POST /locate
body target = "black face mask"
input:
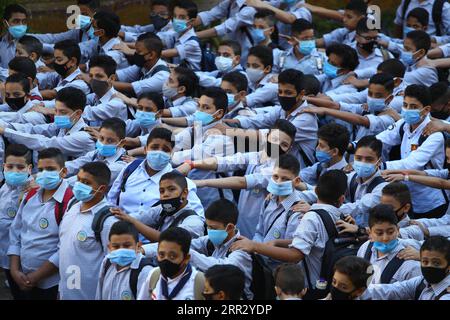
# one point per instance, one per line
(434, 275)
(168, 268)
(139, 60)
(269, 147)
(99, 87)
(368, 47)
(287, 103)
(403, 214)
(170, 206)
(15, 103)
(158, 22)
(60, 69)
(440, 115)
(337, 294)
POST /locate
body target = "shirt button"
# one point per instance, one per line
(143, 190)
(142, 204)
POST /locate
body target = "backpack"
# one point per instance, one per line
(126, 174)
(207, 63)
(390, 269)
(134, 273)
(422, 286)
(60, 208)
(333, 252)
(98, 222)
(176, 222)
(436, 13)
(199, 283)
(354, 184)
(263, 283)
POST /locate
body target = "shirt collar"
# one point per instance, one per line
(159, 62)
(441, 286)
(336, 82)
(391, 254)
(298, 109)
(290, 200)
(327, 207)
(179, 101)
(338, 165)
(72, 76)
(80, 124)
(59, 194)
(107, 96)
(419, 128)
(96, 208)
(26, 107)
(187, 35)
(110, 43)
(111, 159)
(404, 222)
(367, 182)
(157, 176)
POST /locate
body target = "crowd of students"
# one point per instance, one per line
(227, 154)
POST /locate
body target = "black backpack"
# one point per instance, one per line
(333, 252)
(134, 273)
(207, 63)
(390, 269)
(422, 286)
(354, 184)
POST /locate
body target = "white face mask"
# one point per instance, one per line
(169, 92)
(254, 75)
(223, 64)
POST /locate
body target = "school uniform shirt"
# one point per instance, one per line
(377, 124)
(274, 223)
(367, 66)
(80, 254)
(181, 107)
(445, 50)
(119, 57)
(188, 50)
(335, 86)
(310, 175)
(258, 170)
(425, 75)
(78, 35)
(239, 109)
(214, 78)
(262, 93)
(134, 129)
(115, 284)
(406, 290)
(427, 5)
(34, 234)
(142, 80)
(186, 293)
(193, 224)
(222, 255)
(310, 238)
(114, 163)
(306, 125)
(11, 197)
(409, 269)
(72, 81)
(341, 35)
(47, 80)
(7, 50)
(73, 142)
(308, 64)
(99, 109)
(363, 200)
(142, 191)
(22, 115)
(133, 32)
(440, 226)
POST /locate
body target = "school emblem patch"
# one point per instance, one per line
(43, 223)
(11, 212)
(126, 295)
(276, 234)
(82, 236)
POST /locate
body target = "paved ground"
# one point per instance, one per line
(4, 290)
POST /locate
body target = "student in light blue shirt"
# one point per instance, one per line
(15, 17)
(34, 234)
(17, 169)
(235, 84)
(440, 97)
(186, 50)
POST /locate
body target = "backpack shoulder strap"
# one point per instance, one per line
(436, 15)
(390, 269)
(199, 286)
(374, 183)
(107, 266)
(419, 289)
(134, 274)
(126, 174)
(401, 131)
(405, 8)
(209, 248)
(195, 38)
(60, 208)
(352, 188)
(29, 195)
(327, 222)
(98, 222)
(368, 252)
(444, 292)
(156, 274)
(159, 68)
(181, 217)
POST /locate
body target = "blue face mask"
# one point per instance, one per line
(407, 30)
(217, 237)
(364, 170)
(82, 192)
(407, 58)
(18, 32)
(122, 257)
(322, 156)
(63, 122)
(230, 97)
(106, 150)
(375, 105)
(280, 189)
(258, 35)
(411, 116)
(16, 179)
(145, 119)
(330, 70)
(306, 47)
(385, 247)
(48, 180)
(90, 33)
(203, 117)
(290, 3)
(84, 21)
(158, 160)
(179, 25)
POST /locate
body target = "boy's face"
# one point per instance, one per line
(304, 35)
(409, 46)
(383, 232)
(351, 19)
(280, 138)
(400, 210)
(433, 259)
(206, 104)
(17, 18)
(15, 90)
(159, 145)
(123, 241)
(411, 103)
(281, 175)
(61, 59)
(229, 88)
(169, 189)
(378, 91)
(227, 52)
(182, 14)
(107, 136)
(146, 105)
(172, 251)
(343, 283)
(16, 164)
(216, 225)
(50, 164)
(322, 145)
(173, 82)
(260, 23)
(99, 74)
(255, 63)
(89, 179)
(336, 61)
(412, 22)
(367, 40)
(86, 11)
(367, 155)
(161, 11)
(210, 294)
(62, 110)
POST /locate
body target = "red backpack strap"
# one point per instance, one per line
(30, 194)
(60, 208)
